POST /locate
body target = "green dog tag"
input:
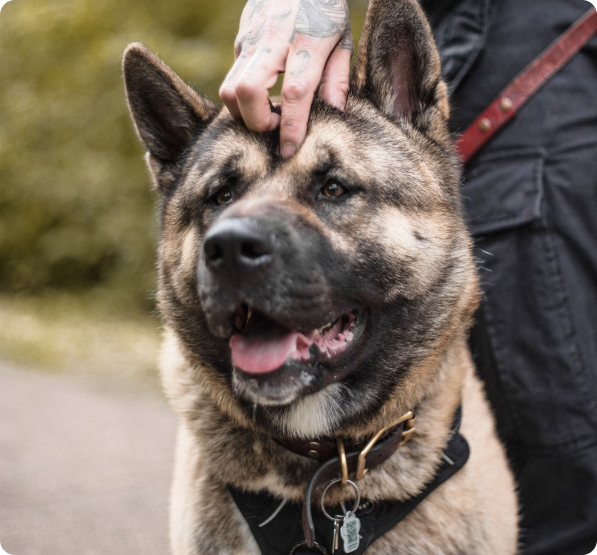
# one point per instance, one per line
(350, 532)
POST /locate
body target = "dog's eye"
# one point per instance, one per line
(224, 196)
(332, 189)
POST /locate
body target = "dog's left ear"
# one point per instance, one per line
(168, 114)
(398, 66)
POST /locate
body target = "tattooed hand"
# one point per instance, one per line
(308, 40)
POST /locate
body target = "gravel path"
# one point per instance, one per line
(83, 470)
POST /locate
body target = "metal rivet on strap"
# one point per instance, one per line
(505, 104)
(314, 454)
(485, 125)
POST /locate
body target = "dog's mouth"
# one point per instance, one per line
(274, 364)
(264, 345)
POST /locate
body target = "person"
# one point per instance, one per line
(530, 197)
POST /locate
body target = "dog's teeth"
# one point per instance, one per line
(249, 314)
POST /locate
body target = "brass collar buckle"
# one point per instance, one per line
(407, 433)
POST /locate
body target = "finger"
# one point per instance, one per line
(252, 89)
(336, 75)
(303, 73)
(228, 91)
(238, 47)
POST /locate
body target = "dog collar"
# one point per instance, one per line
(277, 527)
(391, 437)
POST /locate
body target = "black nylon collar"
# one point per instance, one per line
(284, 532)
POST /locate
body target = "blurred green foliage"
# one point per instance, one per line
(76, 207)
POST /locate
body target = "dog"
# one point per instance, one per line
(321, 296)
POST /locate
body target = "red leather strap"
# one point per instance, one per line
(525, 85)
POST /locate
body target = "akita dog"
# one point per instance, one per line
(313, 305)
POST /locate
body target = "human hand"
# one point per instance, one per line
(311, 42)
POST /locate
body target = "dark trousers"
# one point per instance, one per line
(530, 200)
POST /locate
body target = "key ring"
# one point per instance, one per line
(335, 481)
(304, 543)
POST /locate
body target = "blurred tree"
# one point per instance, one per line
(76, 208)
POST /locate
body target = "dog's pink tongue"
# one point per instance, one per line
(260, 354)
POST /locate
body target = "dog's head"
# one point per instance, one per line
(311, 292)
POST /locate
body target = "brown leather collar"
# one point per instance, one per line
(327, 448)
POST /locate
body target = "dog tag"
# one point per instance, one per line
(351, 526)
(350, 523)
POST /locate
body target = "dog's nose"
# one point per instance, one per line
(238, 245)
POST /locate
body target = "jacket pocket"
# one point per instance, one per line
(540, 381)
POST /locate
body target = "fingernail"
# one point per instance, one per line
(287, 150)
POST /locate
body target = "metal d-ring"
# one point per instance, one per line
(335, 481)
(343, 463)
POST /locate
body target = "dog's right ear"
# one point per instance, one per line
(168, 114)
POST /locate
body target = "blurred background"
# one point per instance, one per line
(77, 216)
(79, 335)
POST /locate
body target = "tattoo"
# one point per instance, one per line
(253, 37)
(346, 42)
(305, 59)
(235, 68)
(281, 17)
(321, 18)
(257, 56)
(257, 6)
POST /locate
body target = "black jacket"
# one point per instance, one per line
(530, 199)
